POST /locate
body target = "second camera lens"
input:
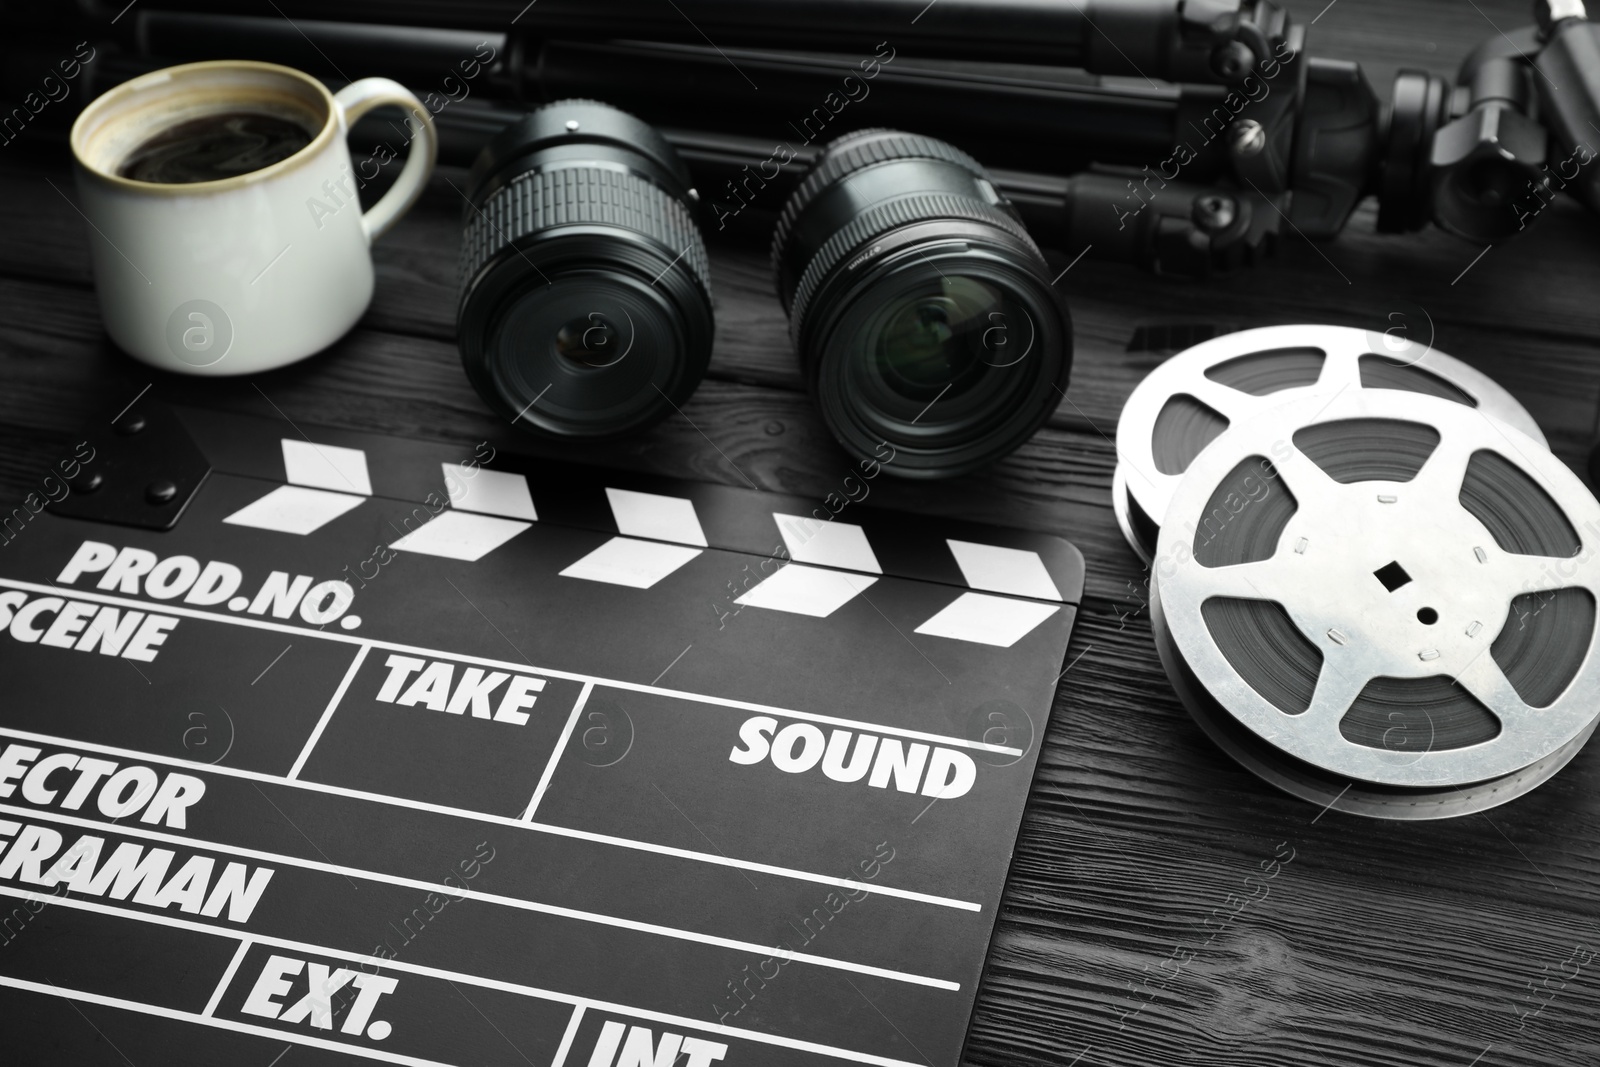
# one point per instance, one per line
(922, 311)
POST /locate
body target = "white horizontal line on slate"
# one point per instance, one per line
(280, 859)
(580, 1003)
(335, 636)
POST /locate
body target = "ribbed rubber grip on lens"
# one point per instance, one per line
(854, 151)
(890, 215)
(566, 196)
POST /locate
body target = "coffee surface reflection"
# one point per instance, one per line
(214, 147)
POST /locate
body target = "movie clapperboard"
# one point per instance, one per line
(337, 746)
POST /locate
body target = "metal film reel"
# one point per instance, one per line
(1383, 603)
(1189, 400)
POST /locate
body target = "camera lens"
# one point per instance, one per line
(923, 313)
(585, 304)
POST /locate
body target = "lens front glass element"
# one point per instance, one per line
(943, 352)
(592, 341)
(943, 355)
(590, 352)
(940, 337)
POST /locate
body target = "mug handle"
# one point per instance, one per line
(360, 97)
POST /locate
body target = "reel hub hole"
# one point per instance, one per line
(1392, 575)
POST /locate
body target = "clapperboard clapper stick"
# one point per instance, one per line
(433, 755)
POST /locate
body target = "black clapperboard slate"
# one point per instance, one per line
(575, 767)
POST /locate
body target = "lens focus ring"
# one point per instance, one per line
(879, 220)
(852, 152)
(569, 196)
(923, 314)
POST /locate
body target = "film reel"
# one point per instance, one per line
(1383, 603)
(1189, 400)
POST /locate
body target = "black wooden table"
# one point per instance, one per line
(1443, 943)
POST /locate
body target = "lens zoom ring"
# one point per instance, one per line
(568, 196)
(852, 152)
(891, 215)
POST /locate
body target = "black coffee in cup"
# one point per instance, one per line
(213, 147)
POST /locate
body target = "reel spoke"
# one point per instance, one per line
(1516, 574)
(1232, 404)
(1484, 679)
(1270, 579)
(1342, 369)
(1337, 688)
(1308, 483)
(1439, 480)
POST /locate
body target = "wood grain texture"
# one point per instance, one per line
(1402, 945)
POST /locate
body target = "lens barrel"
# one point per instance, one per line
(922, 311)
(585, 293)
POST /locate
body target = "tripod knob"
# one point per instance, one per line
(1490, 158)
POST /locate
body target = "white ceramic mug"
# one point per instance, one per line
(249, 272)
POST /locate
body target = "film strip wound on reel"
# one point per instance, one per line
(1192, 398)
(1384, 603)
(686, 770)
